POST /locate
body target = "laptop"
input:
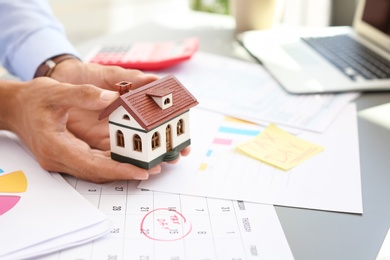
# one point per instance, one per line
(329, 59)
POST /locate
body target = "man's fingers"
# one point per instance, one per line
(186, 151)
(115, 74)
(96, 166)
(143, 80)
(83, 96)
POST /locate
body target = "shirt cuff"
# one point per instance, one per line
(38, 48)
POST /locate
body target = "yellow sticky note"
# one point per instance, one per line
(279, 148)
(236, 120)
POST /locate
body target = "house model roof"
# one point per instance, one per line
(141, 106)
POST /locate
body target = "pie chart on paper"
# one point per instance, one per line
(11, 185)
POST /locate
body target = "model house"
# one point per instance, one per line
(150, 124)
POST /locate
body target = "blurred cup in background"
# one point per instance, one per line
(255, 14)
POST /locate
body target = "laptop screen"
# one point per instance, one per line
(372, 21)
(376, 14)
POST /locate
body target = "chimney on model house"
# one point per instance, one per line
(124, 87)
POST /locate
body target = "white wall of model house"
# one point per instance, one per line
(131, 127)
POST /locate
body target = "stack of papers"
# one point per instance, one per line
(247, 91)
(39, 211)
(216, 198)
(216, 168)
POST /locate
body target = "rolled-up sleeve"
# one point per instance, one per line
(29, 35)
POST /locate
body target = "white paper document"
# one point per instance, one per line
(246, 90)
(39, 211)
(384, 252)
(153, 225)
(329, 180)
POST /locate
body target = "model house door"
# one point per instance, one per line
(168, 137)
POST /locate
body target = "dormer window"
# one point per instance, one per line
(162, 96)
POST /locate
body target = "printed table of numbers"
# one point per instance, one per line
(150, 225)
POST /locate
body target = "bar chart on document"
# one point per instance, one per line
(236, 172)
(153, 225)
(230, 133)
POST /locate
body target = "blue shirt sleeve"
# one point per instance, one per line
(29, 35)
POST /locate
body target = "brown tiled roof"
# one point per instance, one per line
(158, 92)
(145, 110)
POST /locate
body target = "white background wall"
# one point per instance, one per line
(86, 19)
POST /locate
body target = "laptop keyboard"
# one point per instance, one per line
(351, 57)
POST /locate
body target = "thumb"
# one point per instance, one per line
(89, 97)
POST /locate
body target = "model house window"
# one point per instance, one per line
(167, 101)
(120, 140)
(126, 117)
(137, 143)
(155, 140)
(180, 127)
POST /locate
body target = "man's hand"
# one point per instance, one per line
(81, 122)
(84, 123)
(38, 112)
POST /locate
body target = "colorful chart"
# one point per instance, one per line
(14, 182)
(232, 132)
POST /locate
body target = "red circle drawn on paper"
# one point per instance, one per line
(184, 221)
